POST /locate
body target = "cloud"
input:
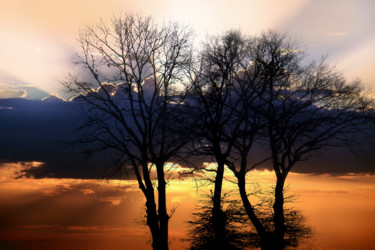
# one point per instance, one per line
(53, 99)
(63, 209)
(12, 84)
(316, 191)
(35, 130)
(337, 34)
(17, 89)
(9, 93)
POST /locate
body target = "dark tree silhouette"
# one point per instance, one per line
(296, 110)
(305, 108)
(238, 231)
(148, 99)
(211, 120)
(138, 70)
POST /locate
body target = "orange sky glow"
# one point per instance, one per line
(37, 43)
(95, 214)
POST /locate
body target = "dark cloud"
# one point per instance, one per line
(336, 161)
(34, 130)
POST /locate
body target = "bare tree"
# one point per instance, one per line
(305, 108)
(297, 110)
(136, 82)
(146, 103)
(212, 118)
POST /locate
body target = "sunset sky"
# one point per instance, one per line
(51, 199)
(38, 37)
(63, 213)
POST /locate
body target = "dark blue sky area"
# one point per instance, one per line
(34, 130)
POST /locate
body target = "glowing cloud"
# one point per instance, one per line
(9, 93)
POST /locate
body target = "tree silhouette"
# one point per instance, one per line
(238, 232)
(295, 110)
(305, 108)
(136, 70)
(257, 90)
(148, 100)
(212, 121)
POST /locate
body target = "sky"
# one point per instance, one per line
(51, 198)
(38, 38)
(38, 41)
(80, 214)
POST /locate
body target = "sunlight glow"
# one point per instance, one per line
(109, 209)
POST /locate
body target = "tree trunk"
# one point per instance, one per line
(162, 211)
(266, 238)
(152, 222)
(153, 219)
(278, 207)
(218, 217)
